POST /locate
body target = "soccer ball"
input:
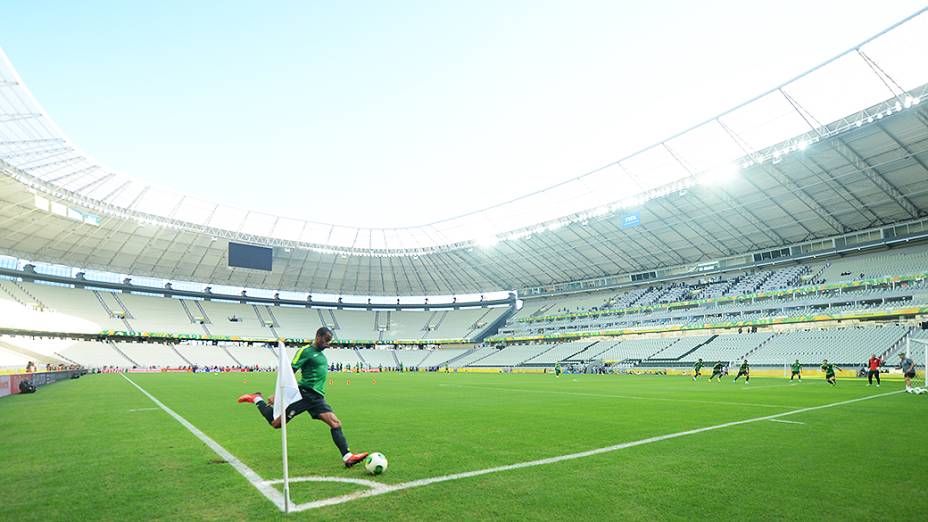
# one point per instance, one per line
(375, 463)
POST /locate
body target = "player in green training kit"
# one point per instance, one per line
(313, 368)
(557, 370)
(697, 369)
(797, 371)
(717, 371)
(744, 370)
(829, 369)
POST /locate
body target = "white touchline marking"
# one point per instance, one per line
(389, 488)
(631, 397)
(276, 497)
(145, 409)
(785, 421)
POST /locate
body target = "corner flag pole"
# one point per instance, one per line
(281, 363)
(287, 393)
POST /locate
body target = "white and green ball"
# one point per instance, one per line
(375, 463)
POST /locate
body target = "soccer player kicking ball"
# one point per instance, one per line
(874, 370)
(717, 371)
(744, 370)
(797, 371)
(313, 368)
(908, 371)
(697, 369)
(829, 369)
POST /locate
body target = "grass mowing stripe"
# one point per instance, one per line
(260, 484)
(553, 460)
(630, 397)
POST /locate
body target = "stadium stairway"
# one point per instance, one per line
(31, 355)
(358, 353)
(120, 352)
(232, 357)
(679, 358)
(465, 354)
(22, 296)
(182, 357)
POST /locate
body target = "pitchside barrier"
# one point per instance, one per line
(9, 383)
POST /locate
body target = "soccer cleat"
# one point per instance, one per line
(250, 397)
(354, 458)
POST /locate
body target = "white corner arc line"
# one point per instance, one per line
(785, 421)
(552, 460)
(346, 480)
(276, 497)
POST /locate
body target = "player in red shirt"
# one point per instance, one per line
(874, 365)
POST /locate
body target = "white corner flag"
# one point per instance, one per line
(286, 393)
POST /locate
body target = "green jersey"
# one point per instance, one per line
(697, 366)
(718, 367)
(796, 367)
(744, 367)
(313, 368)
(829, 368)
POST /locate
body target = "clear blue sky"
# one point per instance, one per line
(409, 111)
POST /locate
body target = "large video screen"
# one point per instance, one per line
(250, 256)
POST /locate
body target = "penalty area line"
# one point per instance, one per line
(266, 489)
(390, 488)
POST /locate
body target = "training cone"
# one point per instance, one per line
(348, 381)
(373, 381)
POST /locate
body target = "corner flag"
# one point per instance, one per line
(286, 393)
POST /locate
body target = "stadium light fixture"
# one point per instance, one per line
(719, 176)
(487, 241)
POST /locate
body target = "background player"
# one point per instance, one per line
(557, 369)
(873, 365)
(697, 369)
(745, 370)
(908, 371)
(717, 371)
(313, 368)
(797, 371)
(829, 370)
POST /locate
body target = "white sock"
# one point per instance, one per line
(258, 399)
(346, 456)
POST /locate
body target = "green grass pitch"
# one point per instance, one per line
(98, 449)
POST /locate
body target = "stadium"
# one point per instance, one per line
(731, 322)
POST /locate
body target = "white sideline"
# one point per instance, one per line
(266, 489)
(266, 486)
(786, 422)
(552, 460)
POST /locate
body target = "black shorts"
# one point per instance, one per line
(829, 376)
(311, 402)
(747, 373)
(795, 372)
(698, 373)
(910, 375)
(716, 373)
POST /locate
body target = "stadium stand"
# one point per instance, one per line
(838, 345)
(513, 355)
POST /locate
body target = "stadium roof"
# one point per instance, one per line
(837, 149)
